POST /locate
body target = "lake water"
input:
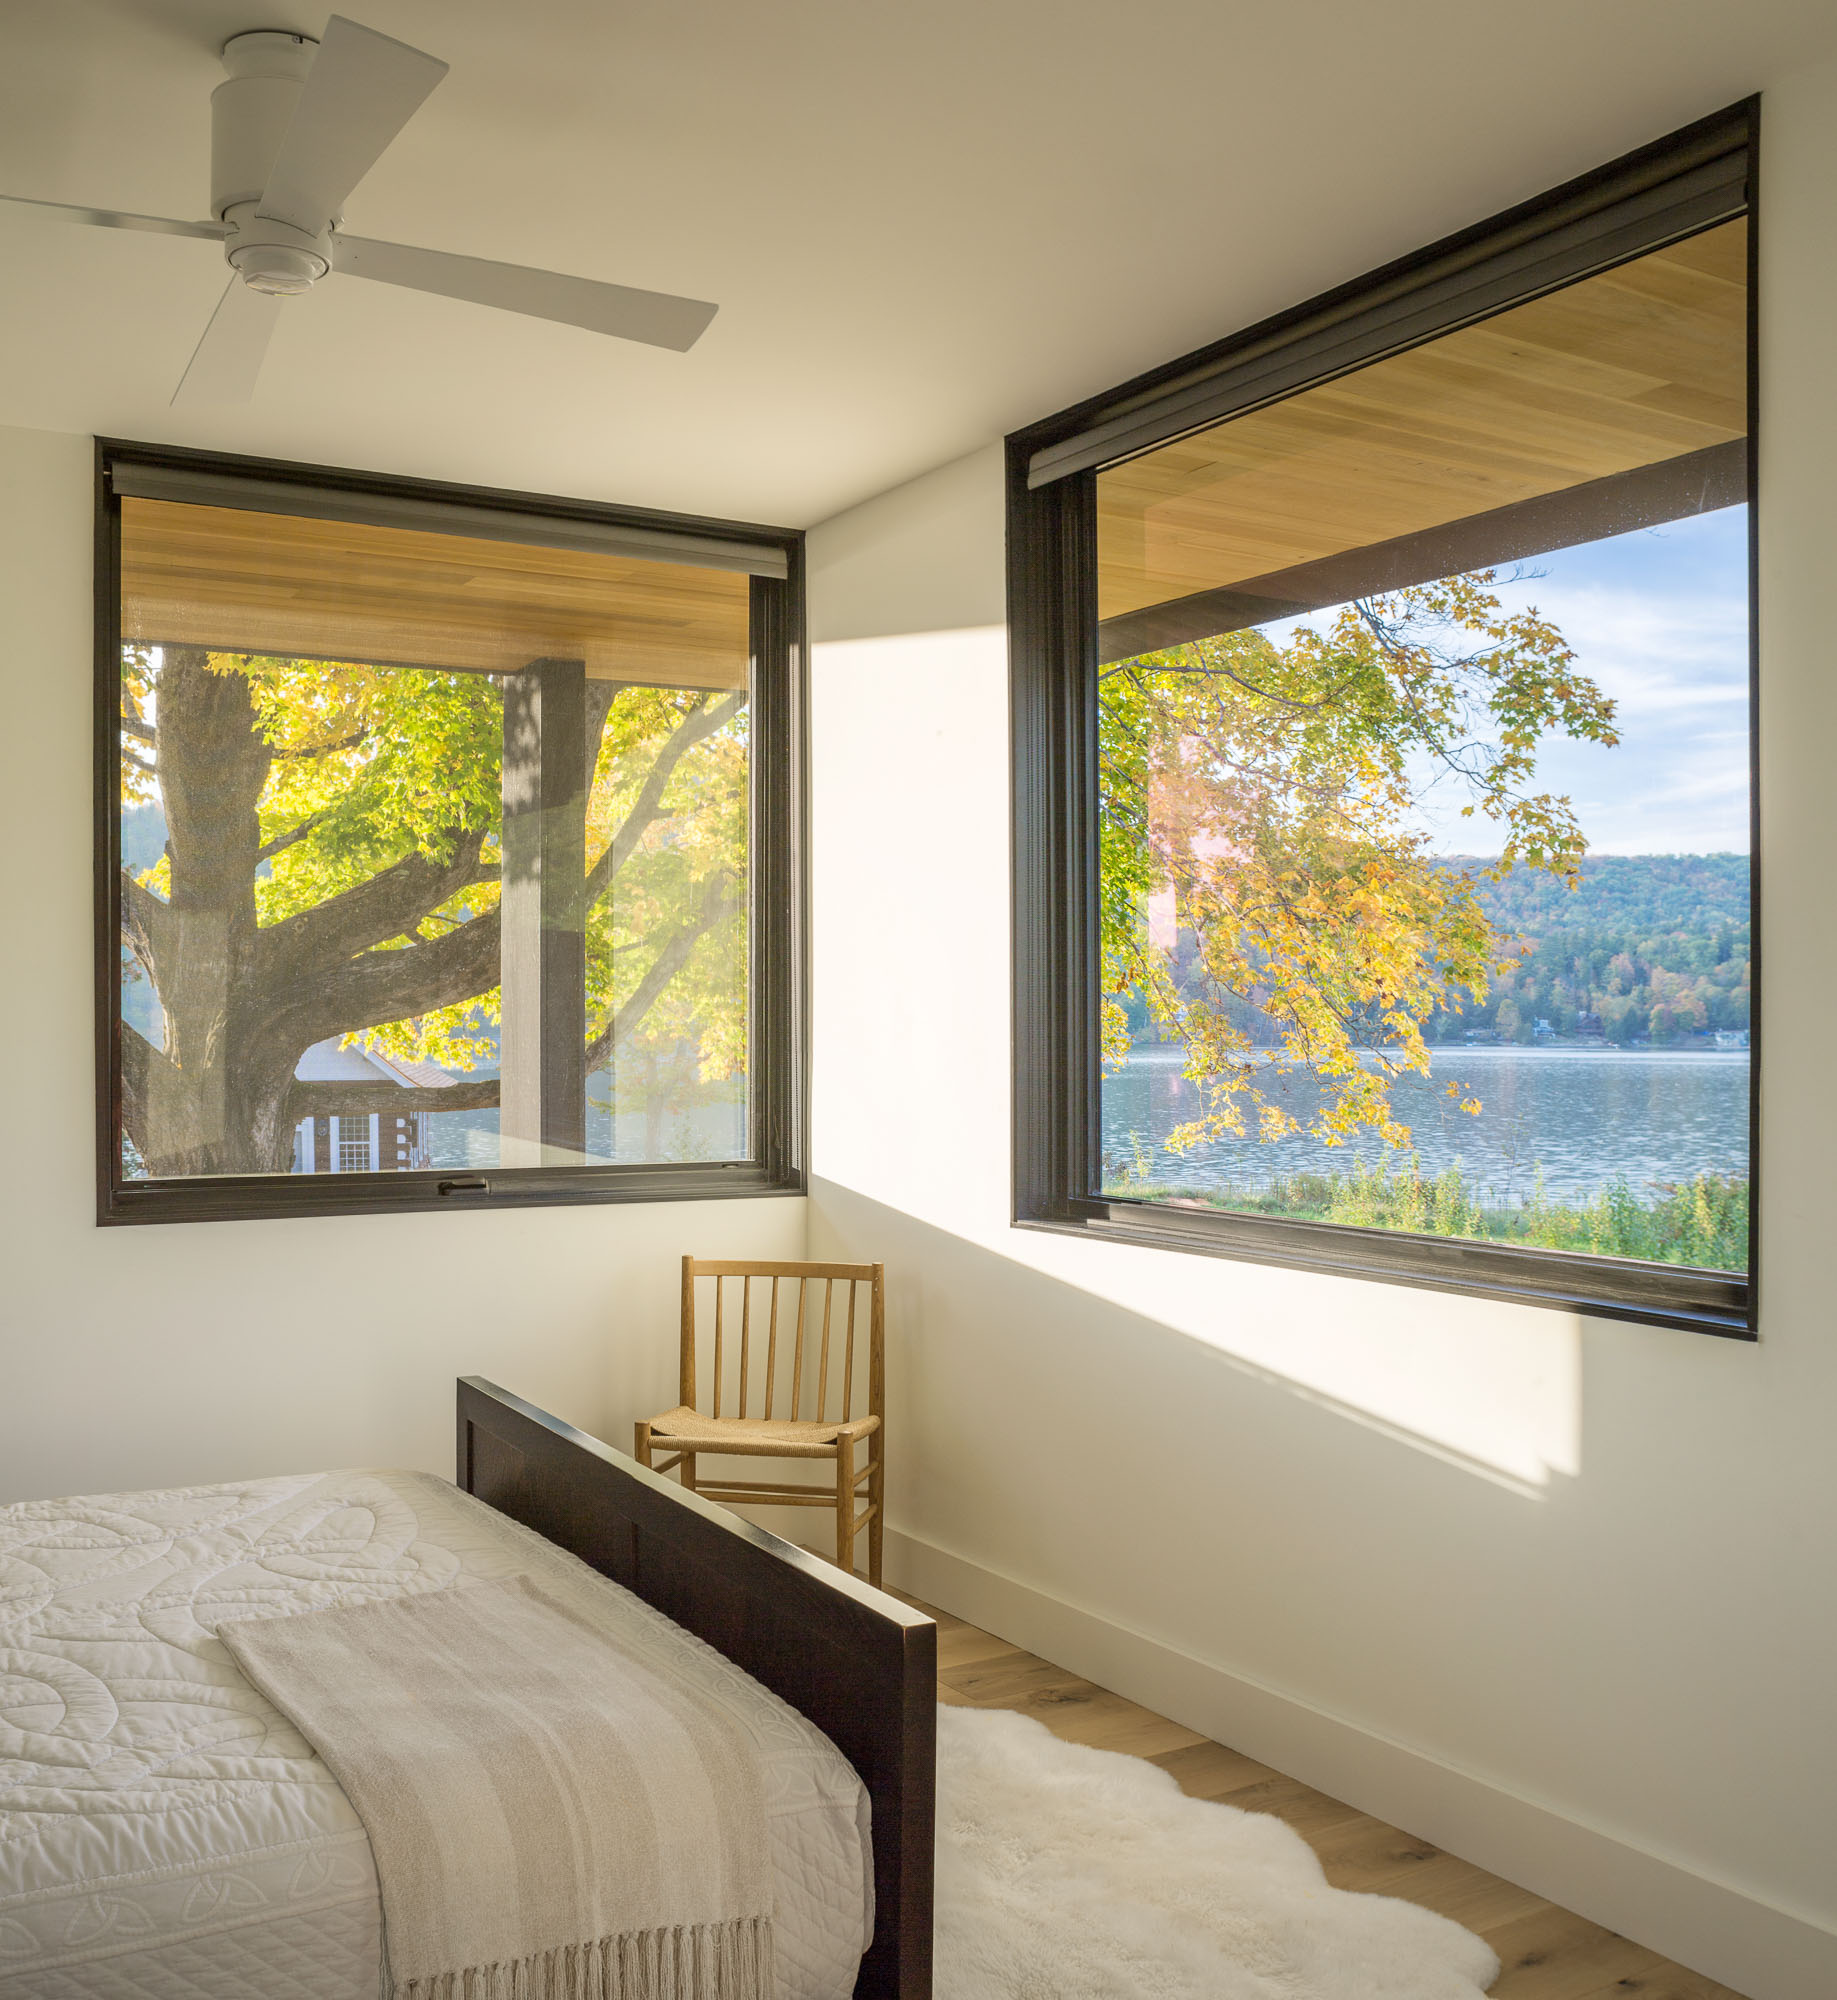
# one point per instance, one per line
(1587, 1116)
(714, 1129)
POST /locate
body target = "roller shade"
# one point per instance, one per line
(200, 487)
(1651, 198)
(247, 580)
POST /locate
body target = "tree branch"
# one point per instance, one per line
(139, 1059)
(143, 921)
(600, 697)
(374, 987)
(324, 1100)
(1203, 672)
(282, 841)
(699, 724)
(325, 749)
(320, 942)
(664, 968)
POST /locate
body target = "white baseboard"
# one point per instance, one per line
(1703, 1924)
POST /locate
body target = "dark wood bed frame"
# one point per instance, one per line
(861, 1665)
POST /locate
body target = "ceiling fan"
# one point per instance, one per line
(294, 129)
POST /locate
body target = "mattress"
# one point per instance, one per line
(165, 1832)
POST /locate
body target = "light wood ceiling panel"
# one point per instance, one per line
(246, 582)
(1640, 364)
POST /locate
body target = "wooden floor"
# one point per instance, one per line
(1547, 1953)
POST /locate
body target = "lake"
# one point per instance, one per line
(714, 1129)
(1587, 1116)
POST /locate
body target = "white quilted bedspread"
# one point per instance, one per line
(164, 1832)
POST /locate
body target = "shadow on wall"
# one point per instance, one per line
(1493, 1391)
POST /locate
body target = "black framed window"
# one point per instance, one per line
(1383, 723)
(450, 846)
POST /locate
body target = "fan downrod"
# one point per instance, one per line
(250, 113)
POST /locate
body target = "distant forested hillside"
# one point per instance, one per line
(1646, 893)
(1649, 948)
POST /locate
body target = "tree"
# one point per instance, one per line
(1272, 788)
(333, 838)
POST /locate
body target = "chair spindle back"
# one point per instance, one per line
(786, 1332)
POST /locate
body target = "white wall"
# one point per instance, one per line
(1559, 1593)
(146, 1356)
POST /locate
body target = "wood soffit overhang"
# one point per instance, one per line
(1640, 368)
(295, 587)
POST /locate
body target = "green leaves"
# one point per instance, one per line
(1268, 792)
(1701, 1222)
(686, 870)
(372, 765)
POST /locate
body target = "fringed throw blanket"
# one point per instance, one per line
(551, 1820)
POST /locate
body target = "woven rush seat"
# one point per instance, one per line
(754, 1434)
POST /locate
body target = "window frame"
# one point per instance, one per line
(1600, 220)
(778, 1066)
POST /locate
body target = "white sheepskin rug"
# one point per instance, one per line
(1074, 1874)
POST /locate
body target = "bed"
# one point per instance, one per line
(164, 1832)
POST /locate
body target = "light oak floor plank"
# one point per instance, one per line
(1546, 1952)
(1208, 1770)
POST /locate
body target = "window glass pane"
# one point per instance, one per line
(435, 851)
(1424, 720)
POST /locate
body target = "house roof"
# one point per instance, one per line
(327, 1062)
(425, 1075)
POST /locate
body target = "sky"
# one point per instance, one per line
(1660, 619)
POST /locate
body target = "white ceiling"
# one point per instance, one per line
(926, 223)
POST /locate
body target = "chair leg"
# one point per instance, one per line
(688, 1470)
(876, 1493)
(641, 1443)
(845, 1504)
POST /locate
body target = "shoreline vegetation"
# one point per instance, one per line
(1649, 955)
(1701, 1222)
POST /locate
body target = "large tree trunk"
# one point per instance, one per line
(213, 1101)
(242, 1003)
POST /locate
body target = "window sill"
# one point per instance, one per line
(1714, 1302)
(256, 1198)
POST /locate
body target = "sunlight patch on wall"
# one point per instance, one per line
(912, 1082)
(1492, 1387)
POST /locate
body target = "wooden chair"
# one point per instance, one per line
(818, 1343)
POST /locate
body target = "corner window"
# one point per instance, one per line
(1403, 803)
(453, 848)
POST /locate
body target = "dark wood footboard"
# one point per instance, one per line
(861, 1665)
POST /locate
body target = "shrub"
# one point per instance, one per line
(1701, 1222)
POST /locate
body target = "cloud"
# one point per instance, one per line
(1660, 620)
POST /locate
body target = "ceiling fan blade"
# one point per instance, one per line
(361, 90)
(115, 218)
(659, 319)
(227, 360)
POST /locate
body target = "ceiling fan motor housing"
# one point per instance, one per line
(283, 269)
(250, 112)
